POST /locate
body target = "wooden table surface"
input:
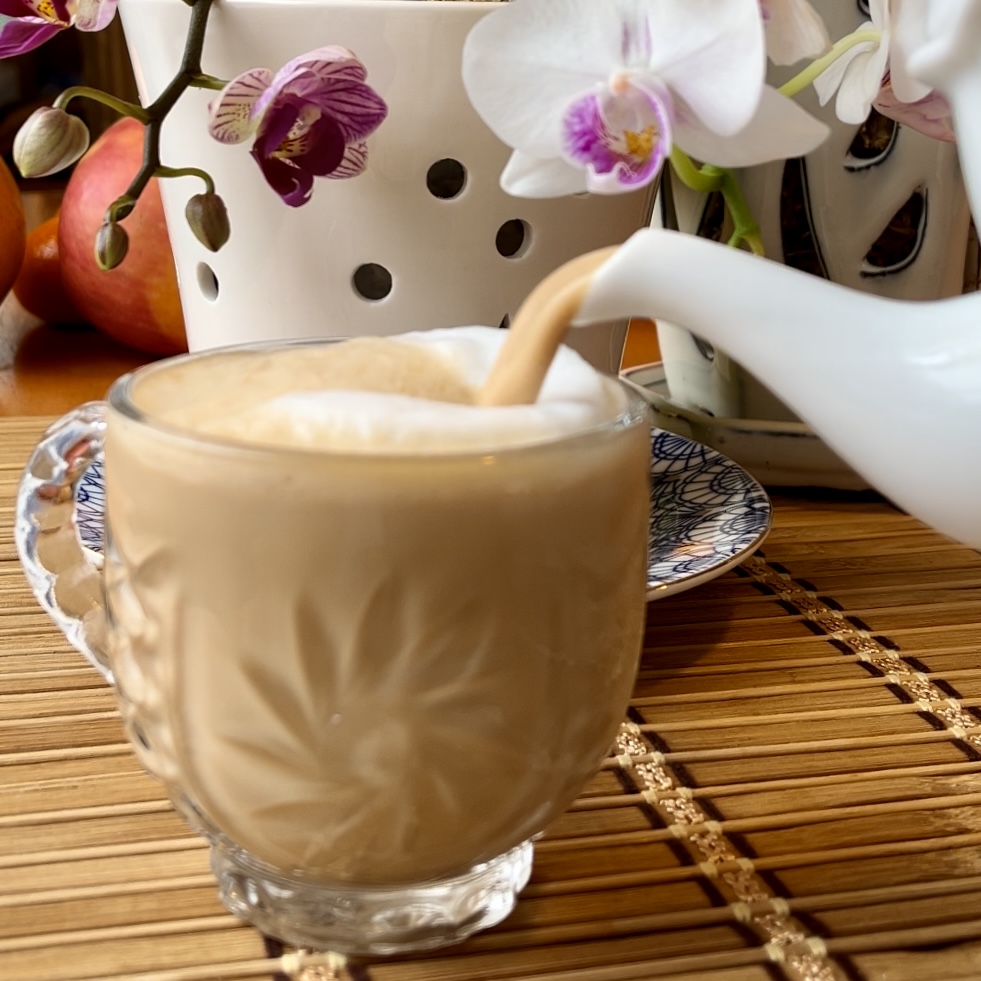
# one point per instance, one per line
(55, 370)
(47, 371)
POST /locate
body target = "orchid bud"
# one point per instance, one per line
(208, 218)
(111, 245)
(49, 140)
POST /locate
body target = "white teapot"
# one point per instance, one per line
(893, 386)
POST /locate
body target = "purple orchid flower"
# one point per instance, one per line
(29, 23)
(309, 120)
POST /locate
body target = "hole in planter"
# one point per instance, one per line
(513, 238)
(900, 241)
(711, 225)
(801, 248)
(872, 143)
(372, 281)
(446, 178)
(207, 281)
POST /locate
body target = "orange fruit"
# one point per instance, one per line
(39, 285)
(12, 228)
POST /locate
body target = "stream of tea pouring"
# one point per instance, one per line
(893, 386)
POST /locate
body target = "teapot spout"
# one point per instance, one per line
(894, 387)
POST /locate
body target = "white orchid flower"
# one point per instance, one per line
(592, 94)
(858, 73)
(794, 30)
(950, 35)
(880, 63)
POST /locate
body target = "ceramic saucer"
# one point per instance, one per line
(90, 499)
(707, 514)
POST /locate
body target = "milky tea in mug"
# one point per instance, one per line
(373, 637)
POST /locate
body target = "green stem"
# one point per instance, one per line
(702, 180)
(709, 179)
(208, 82)
(120, 208)
(800, 82)
(121, 106)
(209, 184)
(745, 229)
(753, 240)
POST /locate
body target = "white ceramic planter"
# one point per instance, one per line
(292, 272)
(848, 203)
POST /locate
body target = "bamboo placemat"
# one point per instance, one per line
(796, 792)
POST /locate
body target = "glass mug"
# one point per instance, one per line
(369, 679)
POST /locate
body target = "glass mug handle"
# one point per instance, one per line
(66, 577)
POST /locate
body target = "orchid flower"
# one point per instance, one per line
(912, 33)
(930, 115)
(794, 30)
(309, 119)
(857, 73)
(25, 24)
(873, 72)
(592, 95)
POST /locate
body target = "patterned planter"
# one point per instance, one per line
(879, 208)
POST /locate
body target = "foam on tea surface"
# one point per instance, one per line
(405, 393)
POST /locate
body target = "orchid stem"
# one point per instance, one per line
(120, 208)
(154, 114)
(203, 175)
(691, 176)
(203, 81)
(121, 106)
(745, 229)
(820, 65)
(707, 180)
(752, 239)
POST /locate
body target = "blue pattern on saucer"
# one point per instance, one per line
(90, 496)
(707, 513)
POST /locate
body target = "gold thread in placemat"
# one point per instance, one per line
(897, 671)
(787, 944)
(310, 965)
